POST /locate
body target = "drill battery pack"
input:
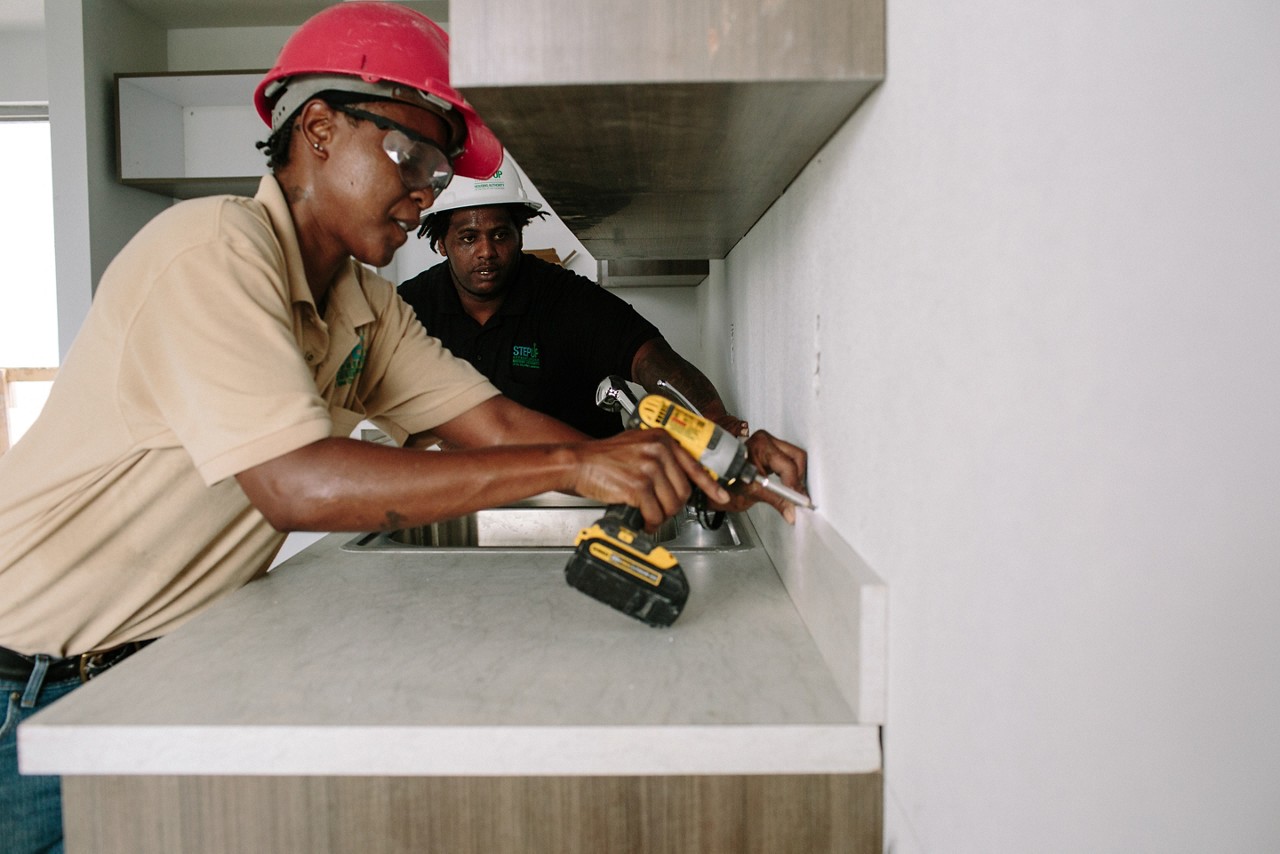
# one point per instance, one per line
(617, 563)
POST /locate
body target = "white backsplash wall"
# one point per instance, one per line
(25, 80)
(675, 312)
(1022, 310)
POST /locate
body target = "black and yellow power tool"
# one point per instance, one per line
(615, 560)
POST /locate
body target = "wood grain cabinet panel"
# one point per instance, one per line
(766, 814)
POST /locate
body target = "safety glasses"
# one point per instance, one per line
(422, 163)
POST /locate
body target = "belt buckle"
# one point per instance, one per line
(93, 663)
(90, 665)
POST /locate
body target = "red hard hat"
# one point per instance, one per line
(381, 49)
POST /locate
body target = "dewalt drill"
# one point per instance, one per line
(614, 560)
(720, 453)
(617, 562)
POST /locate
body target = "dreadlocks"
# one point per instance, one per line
(436, 225)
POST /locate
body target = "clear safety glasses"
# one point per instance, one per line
(422, 163)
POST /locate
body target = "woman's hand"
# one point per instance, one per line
(646, 469)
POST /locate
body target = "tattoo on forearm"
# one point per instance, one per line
(695, 386)
(655, 360)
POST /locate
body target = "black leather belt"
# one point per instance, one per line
(18, 667)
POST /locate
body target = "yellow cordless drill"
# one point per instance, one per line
(615, 560)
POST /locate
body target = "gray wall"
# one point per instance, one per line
(1023, 311)
(88, 43)
(25, 77)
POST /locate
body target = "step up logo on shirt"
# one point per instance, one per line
(353, 365)
(525, 356)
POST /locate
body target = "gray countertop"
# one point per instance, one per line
(456, 663)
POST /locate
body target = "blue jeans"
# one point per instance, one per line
(30, 807)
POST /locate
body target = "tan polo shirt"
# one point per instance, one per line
(202, 356)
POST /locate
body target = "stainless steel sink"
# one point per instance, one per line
(544, 522)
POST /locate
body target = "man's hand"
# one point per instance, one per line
(771, 455)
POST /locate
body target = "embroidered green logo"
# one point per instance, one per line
(525, 357)
(353, 365)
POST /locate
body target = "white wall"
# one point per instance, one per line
(226, 49)
(1028, 333)
(674, 310)
(24, 78)
(94, 215)
(87, 44)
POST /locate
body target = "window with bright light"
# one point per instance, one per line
(28, 293)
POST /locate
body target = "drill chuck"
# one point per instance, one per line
(704, 440)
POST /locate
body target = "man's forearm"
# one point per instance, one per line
(498, 421)
(502, 421)
(656, 360)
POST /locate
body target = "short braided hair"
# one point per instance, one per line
(277, 145)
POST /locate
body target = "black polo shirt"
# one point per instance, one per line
(555, 336)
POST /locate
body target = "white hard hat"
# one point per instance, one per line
(503, 188)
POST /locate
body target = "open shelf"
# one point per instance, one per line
(189, 134)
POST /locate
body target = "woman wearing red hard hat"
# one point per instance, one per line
(387, 52)
(233, 346)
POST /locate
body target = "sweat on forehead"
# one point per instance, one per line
(502, 214)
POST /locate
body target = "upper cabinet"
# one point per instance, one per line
(187, 135)
(665, 129)
(657, 130)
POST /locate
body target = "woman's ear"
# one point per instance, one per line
(315, 124)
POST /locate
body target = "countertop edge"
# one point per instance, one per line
(506, 751)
